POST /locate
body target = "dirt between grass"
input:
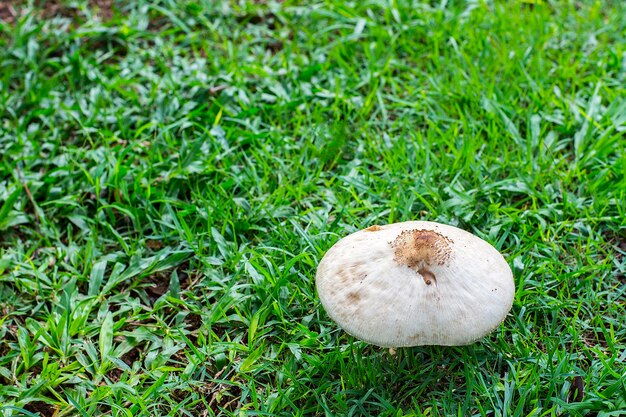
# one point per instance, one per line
(7, 12)
(41, 408)
(11, 10)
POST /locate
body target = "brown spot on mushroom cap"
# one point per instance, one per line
(353, 297)
(417, 248)
(429, 277)
(350, 273)
(343, 276)
(374, 228)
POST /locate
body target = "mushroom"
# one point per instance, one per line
(415, 283)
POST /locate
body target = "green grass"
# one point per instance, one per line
(171, 174)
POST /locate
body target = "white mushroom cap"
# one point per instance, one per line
(415, 283)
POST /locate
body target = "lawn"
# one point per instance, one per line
(172, 172)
